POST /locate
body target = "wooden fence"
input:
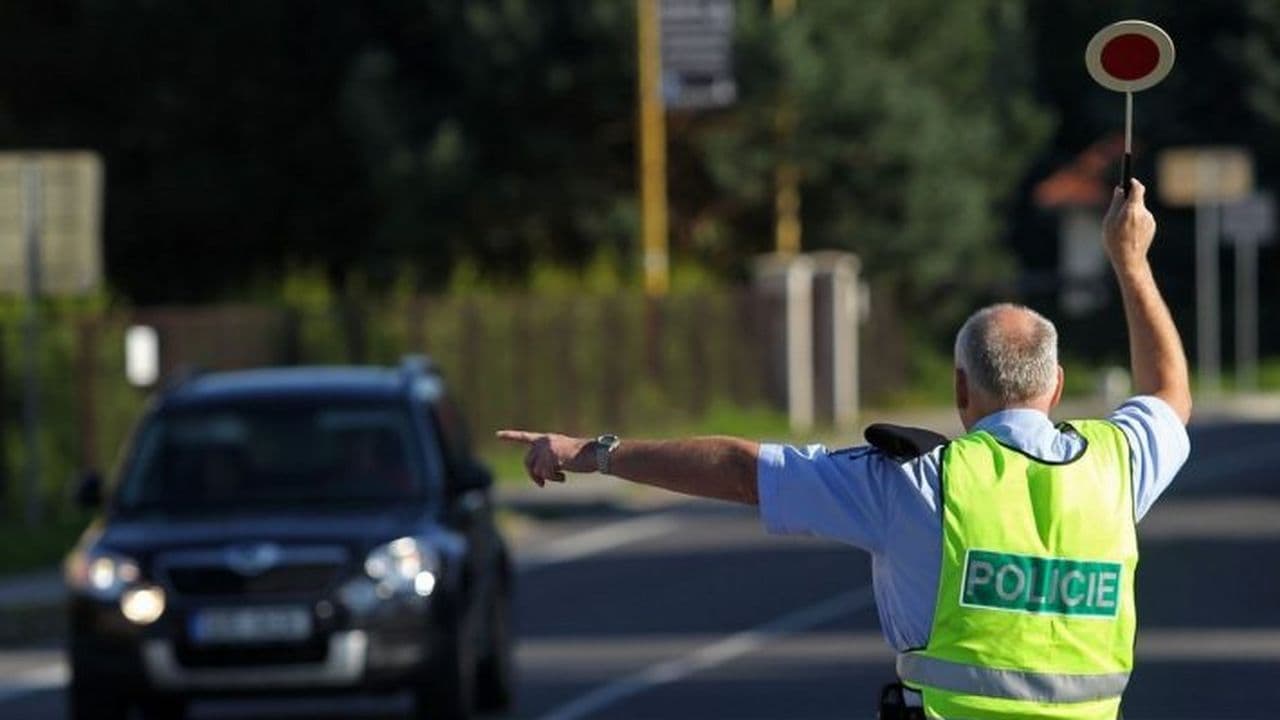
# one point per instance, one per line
(577, 363)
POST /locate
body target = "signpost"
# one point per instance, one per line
(653, 149)
(1248, 223)
(1206, 178)
(50, 243)
(685, 62)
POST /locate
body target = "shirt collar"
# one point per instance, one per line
(1032, 432)
(1014, 421)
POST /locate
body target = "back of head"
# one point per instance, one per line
(1008, 352)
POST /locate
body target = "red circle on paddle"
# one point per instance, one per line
(1130, 56)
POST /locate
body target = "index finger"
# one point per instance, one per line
(1117, 200)
(518, 436)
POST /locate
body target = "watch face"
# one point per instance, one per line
(608, 440)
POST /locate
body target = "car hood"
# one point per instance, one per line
(148, 535)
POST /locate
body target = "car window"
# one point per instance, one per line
(296, 454)
(454, 436)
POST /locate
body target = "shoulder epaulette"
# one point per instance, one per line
(901, 441)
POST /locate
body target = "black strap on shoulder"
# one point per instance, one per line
(902, 441)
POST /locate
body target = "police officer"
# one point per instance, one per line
(1004, 559)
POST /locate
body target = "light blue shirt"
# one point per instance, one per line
(867, 499)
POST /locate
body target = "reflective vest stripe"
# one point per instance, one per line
(918, 669)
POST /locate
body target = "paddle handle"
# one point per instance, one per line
(1126, 164)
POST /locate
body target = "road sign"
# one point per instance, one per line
(1206, 177)
(1251, 221)
(697, 54)
(1248, 223)
(1129, 56)
(1188, 176)
(69, 221)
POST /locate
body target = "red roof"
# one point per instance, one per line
(1086, 181)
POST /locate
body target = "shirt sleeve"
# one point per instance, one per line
(838, 495)
(1158, 444)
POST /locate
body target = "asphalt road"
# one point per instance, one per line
(691, 612)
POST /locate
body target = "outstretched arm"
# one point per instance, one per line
(1155, 349)
(723, 468)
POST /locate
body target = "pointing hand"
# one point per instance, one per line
(550, 455)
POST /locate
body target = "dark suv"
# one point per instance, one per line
(292, 530)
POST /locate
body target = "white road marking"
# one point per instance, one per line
(717, 653)
(1192, 644)
(1242, 518)
(41, 677)
(598, 540)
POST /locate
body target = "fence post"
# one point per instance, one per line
(467, 367)
(612, 379)
(7, 493)
(743, 349)
(86, 382)
(788, 283)
(654, 311)
(522, 360)
(353, 326)
(568, 384)
(695, 315)
(415, 335)
(291, 335)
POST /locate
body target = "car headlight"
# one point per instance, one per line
(406, 565)
(143, 605)
(111, 577)
(101, 574)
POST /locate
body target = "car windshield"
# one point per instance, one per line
(271, 454)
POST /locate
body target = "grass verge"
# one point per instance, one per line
(27, 549)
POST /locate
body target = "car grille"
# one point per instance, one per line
(292, 571)
(285, 580)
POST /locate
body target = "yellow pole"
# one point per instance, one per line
(786, 176)
(653, 149)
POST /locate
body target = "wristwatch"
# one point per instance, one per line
(605, 445)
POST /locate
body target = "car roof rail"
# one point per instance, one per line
(183, 376)
(415, 366)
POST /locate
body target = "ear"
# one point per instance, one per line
(1057, 390)
(962, 390)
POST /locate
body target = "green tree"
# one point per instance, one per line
(913, 122)
(373, 138)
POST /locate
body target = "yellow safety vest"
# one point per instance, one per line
(1035, 615)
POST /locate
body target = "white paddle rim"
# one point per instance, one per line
(1093, 55)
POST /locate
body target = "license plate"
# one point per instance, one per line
(250, 625)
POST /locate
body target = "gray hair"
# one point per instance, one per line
(1011, 361)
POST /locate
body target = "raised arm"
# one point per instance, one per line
(1155, 350)
(723, 468)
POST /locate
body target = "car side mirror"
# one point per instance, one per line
(89, 491)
